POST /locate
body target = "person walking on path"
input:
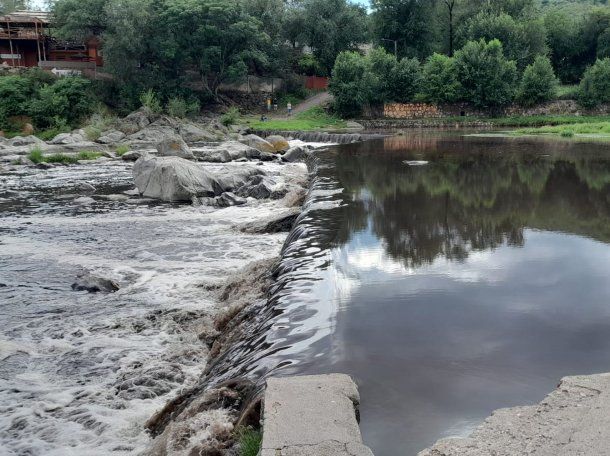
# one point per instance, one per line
(289, 108)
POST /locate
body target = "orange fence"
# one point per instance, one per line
(316, 83)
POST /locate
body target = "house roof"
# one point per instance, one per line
(27, 17)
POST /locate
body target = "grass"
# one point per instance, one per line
(122, 150)
(567, 92)
(36, 156)
(249, 441)
(601, 129)
(312, 119)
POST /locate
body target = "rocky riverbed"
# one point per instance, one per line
(121, 276)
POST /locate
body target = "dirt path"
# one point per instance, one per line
(317, 100)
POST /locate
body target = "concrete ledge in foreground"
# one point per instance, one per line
(574, 420)
(312, 415)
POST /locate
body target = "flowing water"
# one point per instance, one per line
(448, 275)
(80, 373)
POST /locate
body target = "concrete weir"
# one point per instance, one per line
(312, 415)
(574, 420)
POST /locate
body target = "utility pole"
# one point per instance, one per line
(395, 46)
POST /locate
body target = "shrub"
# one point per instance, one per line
(35, 155)
(309, 65)
(15, 94)
(150, 100)
(404, 80)
(176, 107)
(67, 101)
(538, 83)
(595, 84)
(60, 158)
(488, 79)
(122, 150)
(376, 80)
(230, 117)
(566, 133)
(88, 155)
(346, 84)
(249, 441)
(439, 82)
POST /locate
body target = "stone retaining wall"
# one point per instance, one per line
(433, 111)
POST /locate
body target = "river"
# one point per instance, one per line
(450, 275)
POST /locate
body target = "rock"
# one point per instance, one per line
(150, 135)
(132, 155)
(84, 200)
(273, 224)
(229, 199)
(44, 165)
(258, 187)
(572, 420)
(192, 133)
(111, 137)
(213, 156)
(258, 143)
(135, 121)
(237, 149)
(175, 147)
(25, 141)
(279, 143)
(254, 154)
(93, 284)
(172, 179)
(176, 179)
(67, 138)
(84, 187)
(296, 153)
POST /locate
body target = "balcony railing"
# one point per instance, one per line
(21, 34)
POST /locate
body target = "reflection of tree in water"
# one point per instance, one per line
(471, 199)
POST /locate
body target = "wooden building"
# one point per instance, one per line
(26, 41)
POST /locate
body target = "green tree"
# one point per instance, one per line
(380, 65)
(346, 84)
(488, 79)
(80, 19)
(333, 26)
(8, 6)
(439, 80)
(522, 40)
(538, 83)
(405, 25)
(405, 80)
(595, 85)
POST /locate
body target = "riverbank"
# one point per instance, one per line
(573, 419)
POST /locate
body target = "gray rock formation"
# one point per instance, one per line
(172, 179)
(93, 284)
(85, 187)
(111, 137)
(68, 138)
(174, 147)
(572, 420)
(297, 153)
(132, 155)
(135, 121)
(192, 133)
(213, 156)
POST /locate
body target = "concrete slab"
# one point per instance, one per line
(312, 415)
(574, 420)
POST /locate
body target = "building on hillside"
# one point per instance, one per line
(23, 39)
(26, 41)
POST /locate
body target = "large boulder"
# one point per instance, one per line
(93, 284)
(173, 179)
(68, 138)
(279, 143)
(111, 137)
(192, 133)
(213, 156)
(132, 155)
(258, 143)
(297, 153)
(174, 147)
(135, 121)
(18, 141)
(237, 149)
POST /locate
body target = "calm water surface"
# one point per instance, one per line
(447, 289)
